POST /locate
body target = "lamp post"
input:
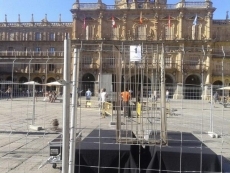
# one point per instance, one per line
(223, 74)
(163, 104)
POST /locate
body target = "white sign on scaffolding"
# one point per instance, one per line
(135, 53)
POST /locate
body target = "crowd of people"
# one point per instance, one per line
(50, 96)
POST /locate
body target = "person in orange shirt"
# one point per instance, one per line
(125, 101)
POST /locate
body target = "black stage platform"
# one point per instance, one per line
(184, 156)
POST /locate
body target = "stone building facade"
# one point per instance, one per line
(196, 47)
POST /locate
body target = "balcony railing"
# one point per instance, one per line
(219, 53)
(219, 72)
(32, 70)
(32, 53)
(90, 65)
(149, 65)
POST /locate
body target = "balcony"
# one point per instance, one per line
(218, 53)
(131, 65)
(108, 66)
(90, 65)
(219, 72)
(31, 53)
(193, 67)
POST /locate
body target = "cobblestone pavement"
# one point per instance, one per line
(24, 150)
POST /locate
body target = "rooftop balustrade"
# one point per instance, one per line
(29, 24)
(189, 4)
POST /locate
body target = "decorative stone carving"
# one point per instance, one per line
(181, 15)
(100, 15)
(156, 16)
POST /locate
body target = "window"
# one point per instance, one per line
(140, 5)
(141, 32)
(24, 36)
(10, 48)
(38, 49)
(51, 67)
(12, 36)
(87, 60)
(167, 61)
(219, 67)
(115, 33)
(52, 36)
(111, 61)
(52, 49)
(38, 36)
(89, 32)
(169, 32)
(37, 67)
(194, 60)
(196, 32)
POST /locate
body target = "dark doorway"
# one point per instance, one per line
(38, 87)
(217, 84)
(135, 85)
(9, 78)
(50, 88)
(23, 88)
(192, 87)
(88, 81)
(114, 82)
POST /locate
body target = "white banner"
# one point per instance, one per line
(135, 53)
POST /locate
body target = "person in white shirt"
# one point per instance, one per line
(167, 96)
(103, 97)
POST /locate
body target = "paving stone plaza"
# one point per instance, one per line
(24, 150)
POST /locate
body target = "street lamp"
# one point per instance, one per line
(223, 73)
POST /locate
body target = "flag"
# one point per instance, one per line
(141, 20)
(169, 22)
(84, 26)
(113, 22)
(195, 20)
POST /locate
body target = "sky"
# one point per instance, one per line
(55, 7)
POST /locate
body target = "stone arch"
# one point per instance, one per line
(50, 88)
(192, 87)
(88, 82)
(9, 78)
(217, 84)
(38, 80)
(23, 80)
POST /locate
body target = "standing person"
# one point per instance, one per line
(9, 93)
(130, 92)
(103, 97)
(167, 95)
(125, 100)
(155, 95)
(36, 95)
(88, 95)
(99, 98)
(215, 97)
